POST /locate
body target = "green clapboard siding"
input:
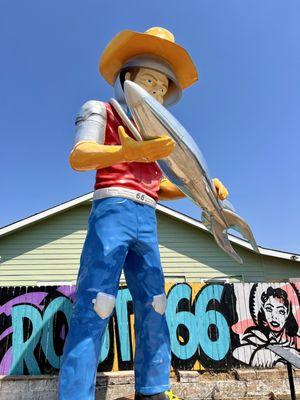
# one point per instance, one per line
(49, 251)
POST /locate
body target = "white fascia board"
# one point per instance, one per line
(45, 214)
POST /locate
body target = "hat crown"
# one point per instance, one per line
(157, 42)
(161, 33)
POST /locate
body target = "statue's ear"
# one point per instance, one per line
(127, 76)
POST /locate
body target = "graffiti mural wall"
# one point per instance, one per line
(212, 326)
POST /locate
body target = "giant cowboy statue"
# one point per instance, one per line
(122, 224)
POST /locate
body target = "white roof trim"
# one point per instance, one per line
(45, 214)
(165, 210)
(232, 238)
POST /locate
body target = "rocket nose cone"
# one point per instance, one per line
(134, 94)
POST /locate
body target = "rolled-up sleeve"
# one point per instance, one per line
(90, 123)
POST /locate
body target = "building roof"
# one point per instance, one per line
(163, 209)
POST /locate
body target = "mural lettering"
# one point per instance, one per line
(212, 326)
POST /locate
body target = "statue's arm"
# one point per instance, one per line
(169, 191)
(90, 152)
(87, 156)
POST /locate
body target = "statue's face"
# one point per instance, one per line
(156, 83)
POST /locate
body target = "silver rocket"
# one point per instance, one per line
(185, 166)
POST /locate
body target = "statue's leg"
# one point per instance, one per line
(145, 280)
(101, 263)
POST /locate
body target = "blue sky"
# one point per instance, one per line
(244, 112)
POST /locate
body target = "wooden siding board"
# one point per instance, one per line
(50, 251)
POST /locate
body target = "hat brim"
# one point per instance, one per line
(128, 44)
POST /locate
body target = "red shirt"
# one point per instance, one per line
(144, 177)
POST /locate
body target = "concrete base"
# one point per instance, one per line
(241, 384)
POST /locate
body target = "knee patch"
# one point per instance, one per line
(160, 303)
(104, 304)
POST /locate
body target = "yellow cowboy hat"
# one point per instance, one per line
(156, 41)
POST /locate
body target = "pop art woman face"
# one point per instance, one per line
(276, 313)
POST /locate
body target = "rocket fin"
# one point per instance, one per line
(239, 224)
(222, 240)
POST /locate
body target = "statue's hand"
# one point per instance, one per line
(145, 151)
(220, 189)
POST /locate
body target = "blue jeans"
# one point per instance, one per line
(121, 234)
